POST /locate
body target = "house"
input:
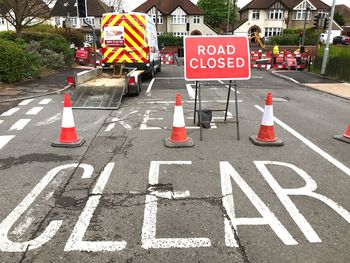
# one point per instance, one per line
(270, 17)
(181, 17)
(66, 10)
(345, 12)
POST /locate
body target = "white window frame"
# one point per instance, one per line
(178, 17)
(88, 37)
(300, 15)
(152, 13)
(196, 19)
(179, 34)
(58, 21)
(90, 20)
(275, 14)
(273, 31)
(323, 14)
(256, 14)
(74, 21)
(2, 21)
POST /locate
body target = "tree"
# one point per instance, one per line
(25, 13)
(216, 11)
(339, 18)
(117, 5)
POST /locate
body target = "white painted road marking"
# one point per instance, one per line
(4, 139)
(34, 111)
(149, 230)
(50, 120)
(45, 101)
(268, 218)
(121, 121)
(75, 241)
(25, 102)
(7, 245)
(20, 124)
(9, 112)
(228, 86)
(146, 118)
(1, 121)
(311, 145)
(150, 86)
(191, 92)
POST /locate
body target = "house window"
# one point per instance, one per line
(323, 14)
(273, 31)
(178, 16)
(89, 20)
(74, 21)
(2, 21)
(57, 21)
(152, 13)
(179, 34)
(88, 37)
(256, 15)
(300, 15)
(159, 33)
(196, 20)
(275, 14)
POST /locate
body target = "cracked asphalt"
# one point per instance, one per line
(124, 197)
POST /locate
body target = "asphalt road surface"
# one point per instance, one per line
(124, 197)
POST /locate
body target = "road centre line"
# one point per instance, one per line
(4, 139)
(45, 101)
(310, 144)
(150, 86)
(9, 112)
(34, 111)
(25, 102)
(20, 124)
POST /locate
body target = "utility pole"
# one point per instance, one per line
(234, 17)
(302, 48)
(228, 16)
(326, 50)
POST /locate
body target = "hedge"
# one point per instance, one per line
(338, 66)
(291, 37)
(168, 39)
(13, 61)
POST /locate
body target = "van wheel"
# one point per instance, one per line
(151, 74)
(159, 69)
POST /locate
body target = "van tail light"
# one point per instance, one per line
(132, 81)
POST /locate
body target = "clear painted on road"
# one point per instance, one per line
(34, 111)
(4, 139)
(10, 112)
(20, 124)
(149, 227)
(45, 101)
(150, 86)
(1, 121)
(25, 102)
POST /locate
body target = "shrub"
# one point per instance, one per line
(33, 60)
(12, 60)
(52, 60)
(168, 39)
(291, 37)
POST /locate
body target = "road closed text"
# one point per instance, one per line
(216, 57)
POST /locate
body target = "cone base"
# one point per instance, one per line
(78, 143)
(341, 138)
(257, 142)
(172, 144)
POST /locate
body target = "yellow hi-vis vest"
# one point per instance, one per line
(276, 50)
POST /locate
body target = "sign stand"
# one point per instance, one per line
(198, 94)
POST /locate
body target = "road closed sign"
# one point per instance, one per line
(216, 58)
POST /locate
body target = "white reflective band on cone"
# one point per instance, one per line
(67, 119)
(179, 120)
(267, 119)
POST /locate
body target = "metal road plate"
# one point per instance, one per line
(89, 97)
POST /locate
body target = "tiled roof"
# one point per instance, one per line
(343, 10)
(94, 8)
(290, 4)
(166, 7)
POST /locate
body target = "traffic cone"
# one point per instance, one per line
(68, 137)
(266, 135)
(178, 137)
(344, 137)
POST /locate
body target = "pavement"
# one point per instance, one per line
(314, 81)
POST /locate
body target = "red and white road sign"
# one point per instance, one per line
(216, 58)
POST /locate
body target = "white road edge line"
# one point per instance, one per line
(10, 112)
(34, 111)
(190, 91)
(45, 101)
(4, 139)
(20, 124)
(150, 86)
(285, 77)
(310, 144)
(228, 85)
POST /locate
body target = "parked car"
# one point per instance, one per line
(344, 40)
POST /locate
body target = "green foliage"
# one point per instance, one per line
(291, 37)
(168, 39)
(216, 11)
(338, 66)
(12, 61)
(53, 60)
(339, 18)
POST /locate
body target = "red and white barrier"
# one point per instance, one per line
(168, 58)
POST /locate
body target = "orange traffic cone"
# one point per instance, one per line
(266, 135)
(68, 136)
(344, 137)
(178, 134)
